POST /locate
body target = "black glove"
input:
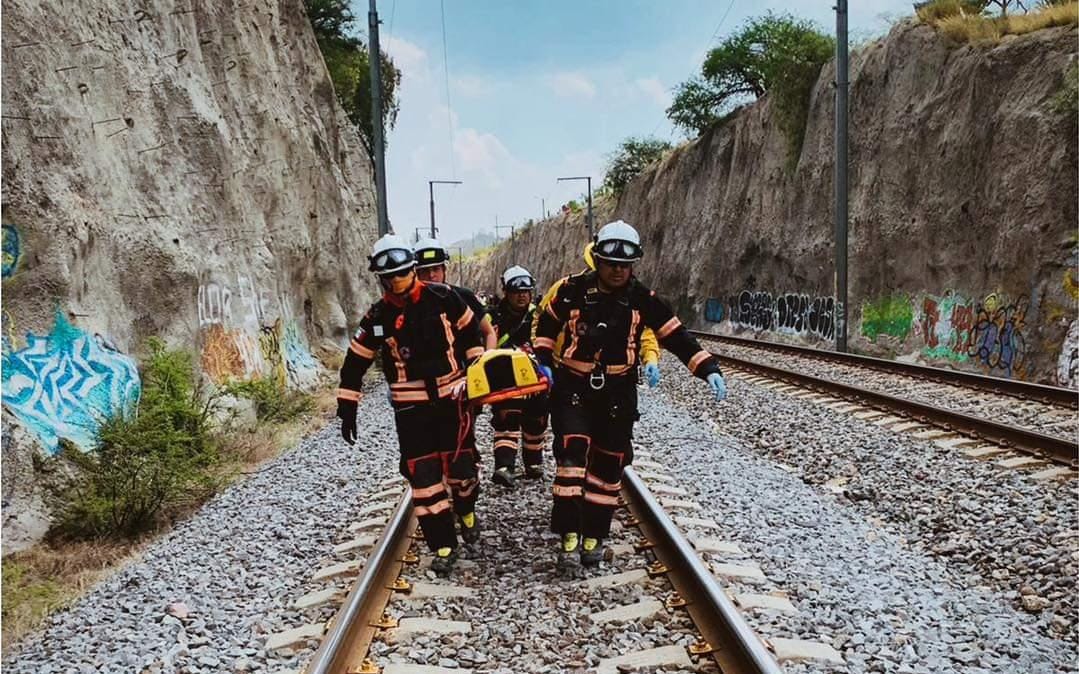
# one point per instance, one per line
(346, 411)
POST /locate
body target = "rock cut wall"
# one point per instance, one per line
(173, 169)
(963, 191)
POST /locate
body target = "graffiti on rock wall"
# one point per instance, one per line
(947, 326)
(891, 316)
(64, 384)
(1068, 363)
(998, 343)
(713, 310)
(241, 342)
(789, 313)
(11, 249)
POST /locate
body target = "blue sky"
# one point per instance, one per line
(542, 89)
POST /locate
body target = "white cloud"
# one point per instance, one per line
(472, 86)
(479, 151)
(654, 89)
(410, 58)
(571, 84)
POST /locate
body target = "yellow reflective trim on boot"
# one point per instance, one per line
(469, 520)
(569, 542)
(444, 552)
(590, 544)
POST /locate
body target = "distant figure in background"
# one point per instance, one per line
(520, 420)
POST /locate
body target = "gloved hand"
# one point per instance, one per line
(346, 411)
(651, 374)
(718, 386)
(546, 371)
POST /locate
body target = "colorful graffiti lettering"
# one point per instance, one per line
(891, 316)
(11, 250)
(1068, 363)
(713, 310)
(790, 313)
(947, 326)
(998, 342)
(302, 367)
(221, 358)
(270, 345)
(63, 385)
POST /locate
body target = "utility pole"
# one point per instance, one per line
(375, 58)
(513, 241)
(431, 189)
(591, 227)
(842, 84)
(416, 232)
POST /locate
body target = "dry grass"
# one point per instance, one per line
(979, 29)
(49, 576)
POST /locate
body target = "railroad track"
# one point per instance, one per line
(392, 601)
(934, 404)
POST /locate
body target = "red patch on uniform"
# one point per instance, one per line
(400, 322)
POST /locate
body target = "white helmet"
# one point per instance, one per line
(517, 278)
(618, 242)
(391, 254)
(430, 252)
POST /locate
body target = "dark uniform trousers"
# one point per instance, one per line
(521, 421)
(440, 465)
(593, 430)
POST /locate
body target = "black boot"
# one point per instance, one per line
(533, 471)
(470, 534)
(443, 564)
(591, 551)
(504, 477)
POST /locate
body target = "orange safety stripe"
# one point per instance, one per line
(561, 490)
(360, 350)
(571, 328)
(668, 327)
(569, 436)
(450, 357)
(601, 499)
(420, 384)
(609, 486)
(465, 318)
(631, 346)
(435, 509)
(697, 359)
(533, 444)
(408, 396)
(543, 343)
(474, 352)
(416, 391)
(398, 362)
(467, 491)
(550, 310)
(424, 492)
(569, 471)
(349, 394)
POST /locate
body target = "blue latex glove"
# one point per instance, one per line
(546, 371)
(718, 386)
(651, 374)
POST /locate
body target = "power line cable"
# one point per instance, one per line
(446, 71)
(724, 18)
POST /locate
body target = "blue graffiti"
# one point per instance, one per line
(65, 384)
(301, 365)
(713, 310)
(11, 249)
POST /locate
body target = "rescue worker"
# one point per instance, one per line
(601, 315)
(649, 351)
(522, 420)
(431, 259)
(423, 332)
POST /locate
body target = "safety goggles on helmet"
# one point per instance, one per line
(617, 250)
(392, 260)
(520, 283)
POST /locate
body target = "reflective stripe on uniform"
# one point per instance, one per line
(425, 492)
(668, 327)
(567, 491)
(697, 359)
(436, 508)
(349, 394)
(601, 499)
(569, 471)
(360, 350)
(465, 318)
(609, 486)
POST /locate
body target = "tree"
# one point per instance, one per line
(632, 156)
(775, 54)
(348, 62)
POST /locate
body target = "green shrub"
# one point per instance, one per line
(632, 156)
(778, 55)
(935, 10)
(273, 402)
(1066, 101)
(161, 456)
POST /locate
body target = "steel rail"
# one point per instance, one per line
(1049, 447)
(735, 647)
(344, 647)
(1053, 395)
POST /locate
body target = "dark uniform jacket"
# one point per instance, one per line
(423, 339)
(514, 330)
(602, 331)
